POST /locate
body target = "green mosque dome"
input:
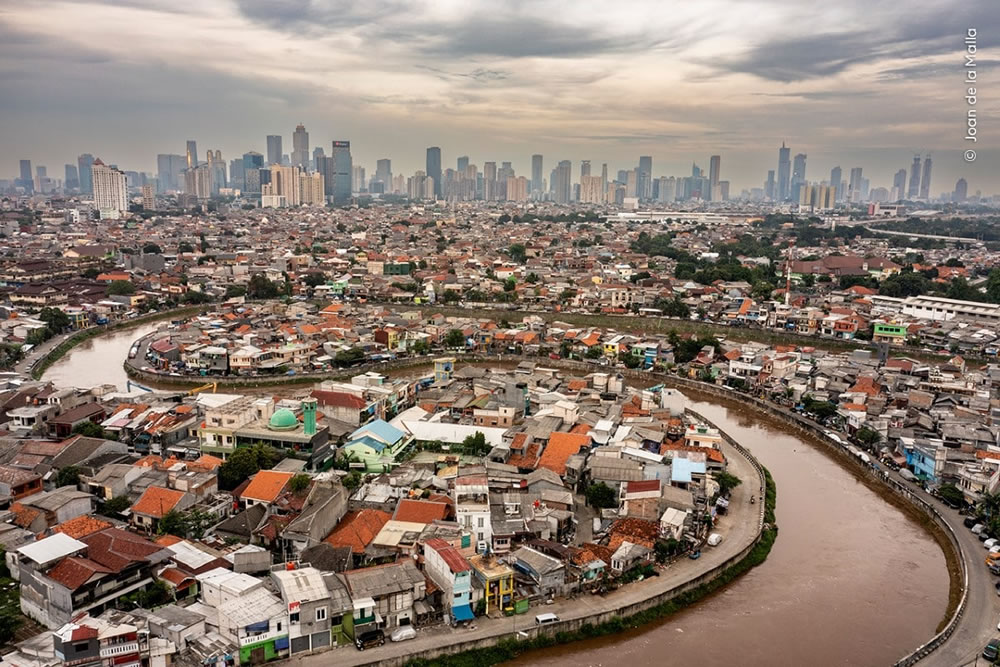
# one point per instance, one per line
(283, 420)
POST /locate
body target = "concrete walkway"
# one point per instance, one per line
(739, 529)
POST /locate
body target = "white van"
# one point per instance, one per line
(714, 540)
(978, 528)
(545, 619)
(992, 542)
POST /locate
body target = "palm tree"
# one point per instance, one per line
(989, 505)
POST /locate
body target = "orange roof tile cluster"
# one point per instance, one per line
(267, 485)
(561, 446)
(157, 501)
(419, 511)
(357, 529)
(82, 526)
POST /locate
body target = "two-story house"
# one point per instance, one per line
(308, 601)
(450, 572)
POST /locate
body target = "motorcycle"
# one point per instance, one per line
(753, 500)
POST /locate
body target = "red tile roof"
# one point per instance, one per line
(157, 501)
(117, 549)
(449, 554)
(267, 485)
(561, 446)
(74, 572)
(419, 511)
(357, 529)
(338, 399)
(82, 526)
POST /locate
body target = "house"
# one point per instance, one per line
(155, 503)
(472, 508)
(628, 556)
(545, 571)
(62, 426)
(95, 641)
(323, 509)
(309, 614)
(265, 487)
(61, 577)
(16, 484)
(560, 448)
(452, 574)
(496, 579)
(376, 446)
(387, 594)
(356, 530)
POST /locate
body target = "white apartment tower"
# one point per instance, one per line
(110, 193)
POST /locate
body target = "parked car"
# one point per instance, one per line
(402, 633)
(992, 650)
(988, 544)
(694, 555)
(977, 529)
(984, 536)
(545, 619)
(969, 522)
(369, 639)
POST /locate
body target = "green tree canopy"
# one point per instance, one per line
(121, 288)
(89, 429)
(68, 476)
(601, 496)
(455, 338)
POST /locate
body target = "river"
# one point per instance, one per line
(850, 581)
(98, 360)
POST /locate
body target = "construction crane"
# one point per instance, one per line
(210, 385)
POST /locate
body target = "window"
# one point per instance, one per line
(481, 522)
(293, 618)
(321, 614)
(279, 625)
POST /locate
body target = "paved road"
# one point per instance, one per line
(38, 352)
(739, 528)
(979, 622)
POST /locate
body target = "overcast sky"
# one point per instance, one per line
(853, 82)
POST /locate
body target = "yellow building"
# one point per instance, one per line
(497, 580)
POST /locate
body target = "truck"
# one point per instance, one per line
(907, 475)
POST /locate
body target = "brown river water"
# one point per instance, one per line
(850, 581)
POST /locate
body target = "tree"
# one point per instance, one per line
(601, 496)
(121, 288)
(197, 521)
(235, 291)
(237, 468)
(68, 476)
(664, 549)
(868, 436)
(510, 284)
(951, 494)
(349, 357)
(727, 482)
(960, 289)
(55, 318)
(352, 480)
(476, 445)
(299, 483)
(89, 429)
(115, 506)
(420, 347)
(673, 307)
(184, 246)
(173, 523)
(455, 338)
(262, 288)
(517, 253)
(315, 279)
(762, 290)
(151, 249)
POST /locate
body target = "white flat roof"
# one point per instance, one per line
(51, 548)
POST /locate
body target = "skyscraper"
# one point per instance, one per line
(584, 170)
(383, 173)
(317, 154)
(914, 190)
(192, 153)
(961, 191)
(898, 185)
(462, 164)
(274, 149)
(110, 193)
(798, 175)
(489, 181)
(343, 169)
(925, 180)
(714, 167)
(835, 178)
(536, 175)
(563, 186)
(84, 163)
(434, 168)
(26, 181)
(784, 172)
(769, 186)
(854, 187)
(217, 171)
(644, 177)
(300, 147)
(72, 179)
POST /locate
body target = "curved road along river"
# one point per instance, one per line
(850, 580)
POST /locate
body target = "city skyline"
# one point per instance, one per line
(568, 85)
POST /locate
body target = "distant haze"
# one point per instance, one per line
(851, 83)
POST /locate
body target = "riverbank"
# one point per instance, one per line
(55, 354)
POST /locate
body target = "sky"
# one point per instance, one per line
(851, 83)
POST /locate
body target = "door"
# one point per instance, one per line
(257, 656)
